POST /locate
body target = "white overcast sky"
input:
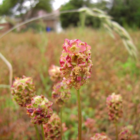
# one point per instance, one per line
(56, 3)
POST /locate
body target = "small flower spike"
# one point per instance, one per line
(23, 90)
(75, 62)
(61, 93)
(55, 73)
(125, 134)
(114, 105)
(52, 129)
(39, 110)
(99, 136)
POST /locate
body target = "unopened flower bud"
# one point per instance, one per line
(114, 105)
(55, 73)
(99, 136)
(76, 62)
(23, 90)
(61, 93)
(39, 110)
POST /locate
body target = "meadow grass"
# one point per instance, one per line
(114, 70)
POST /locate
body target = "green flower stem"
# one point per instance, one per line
(61, 117)
(79, 116)
(43, 135)
(116, 127)
(37, 132)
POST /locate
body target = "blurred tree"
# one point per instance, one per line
(73, 18)
(126, 12)
(12, 7)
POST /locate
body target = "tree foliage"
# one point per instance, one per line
(10, 7)
(74, 18)
(126, 12)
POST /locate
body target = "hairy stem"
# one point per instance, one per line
(116, 127)
(43, 135)
(37, 132)
(79, 116)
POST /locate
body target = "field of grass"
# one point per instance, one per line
(31, 54)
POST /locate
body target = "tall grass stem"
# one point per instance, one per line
(9, 67)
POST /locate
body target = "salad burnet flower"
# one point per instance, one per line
(75, 62)
(114, 105)
(61, 93)
(40, 110)
(23, 90)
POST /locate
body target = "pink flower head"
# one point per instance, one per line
(54, 72)
(75, 62)
(39, 110)
(61, 93)
(99, 136)
(23, 90)
(114, 105)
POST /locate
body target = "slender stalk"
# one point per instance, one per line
(9, 67)
(10, 77)
(79, 116)
(37, 18)
(116, 127)
(37, 132)
(4, 86)
(61, 117)
(43, 135)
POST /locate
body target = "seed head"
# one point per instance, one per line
(61, 93)
(55, 73)
(114, 105)
(52, 129)
(39, 110)
(23, 90)
(125, 134)
(76, 62)
(99, 136)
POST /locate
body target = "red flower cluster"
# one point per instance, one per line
(61, 93)
(114, 105)
(52, 129)
(39, 110)
(75, 62)
(23, 90)
(54, 72)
